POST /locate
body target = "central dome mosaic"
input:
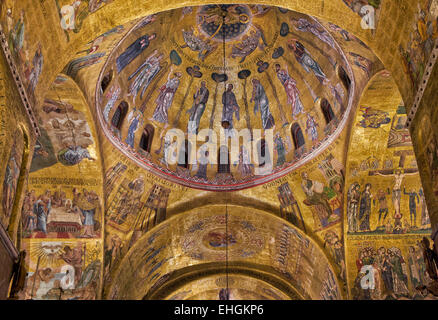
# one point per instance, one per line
(272, 79)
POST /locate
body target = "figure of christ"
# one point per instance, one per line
(230, 107)
(200, 99)
(292, 92)
(311, 128)
(396, 189)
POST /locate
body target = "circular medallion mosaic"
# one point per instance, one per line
(209, 238)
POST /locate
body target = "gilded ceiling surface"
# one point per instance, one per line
(283, 76)
(108, 207)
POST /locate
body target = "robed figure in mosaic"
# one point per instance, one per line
(261, 103)
(165, 98)
(353, 207)
(305, 59)
(200, 99)
(230, 107)
(292, 92)
(41, 209)
(365, 208)
(134, 121)
(306, 26)
(133, 51)
(145, 74)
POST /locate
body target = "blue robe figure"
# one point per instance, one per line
(307, 62)
(132, 129)
(42, 210)
(200, 99)
(261, 103)
(133, 51)
(281, 150)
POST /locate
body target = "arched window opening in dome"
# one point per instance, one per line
(146, 138)
(297, 136)
(342, 74)
(106, 80)
(183, 157)
(261, 152)
(223, 165)
(119, 115)
(327, 111)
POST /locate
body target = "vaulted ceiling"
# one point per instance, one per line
(331, 94)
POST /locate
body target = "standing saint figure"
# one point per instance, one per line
(165, 98)
(37, 61)
(200, 99)
(144, 74)
(292, 92)
(230, 107)
(425, 220)
(133, 120)
(41, 209)
(261, 103)
(353, 197)
(311, 125)
(365, 208)
(133, 51)
(113, 95)
(305, 59)
(281, 150)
